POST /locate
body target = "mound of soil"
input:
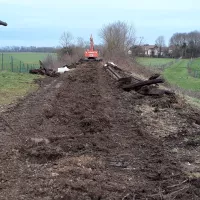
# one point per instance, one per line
(82, 137)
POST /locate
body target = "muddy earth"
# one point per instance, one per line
(81, 137)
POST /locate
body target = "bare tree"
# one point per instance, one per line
(193, 47)
(186, 44)
(175, 43)
(117, 37)
(79, 48)
(80, 42)
(71, 50)
(160, 42)
(66, 39)
(137, 49)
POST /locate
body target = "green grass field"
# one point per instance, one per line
(178, 75)
(153, 62)
(15, 85)
(29, 57)
(21, 62)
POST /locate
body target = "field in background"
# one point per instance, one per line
(21, 62)
(29, 57)
(153, 62)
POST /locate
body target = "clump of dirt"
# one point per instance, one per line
(37, 150)
(49, 111)
(193, 141)
(167, 101)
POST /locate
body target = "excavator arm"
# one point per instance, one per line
(91, 43)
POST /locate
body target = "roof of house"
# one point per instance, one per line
(147, 47)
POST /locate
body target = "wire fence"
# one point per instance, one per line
(10, 63)
(162, 67)
(191, 71)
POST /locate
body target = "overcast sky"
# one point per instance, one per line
(41, 22)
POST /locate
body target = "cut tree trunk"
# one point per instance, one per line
(155, 76)
(137, 86)
(125, 80)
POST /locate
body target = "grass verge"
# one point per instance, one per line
(15, 85)
(195, 64)
(178, 75)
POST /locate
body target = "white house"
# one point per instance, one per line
(151, 50)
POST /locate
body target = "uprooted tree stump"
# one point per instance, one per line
(37, 71)
(44, 71)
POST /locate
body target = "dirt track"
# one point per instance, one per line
(81, 137)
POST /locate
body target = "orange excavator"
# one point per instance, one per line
(92, 54)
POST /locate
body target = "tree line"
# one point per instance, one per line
(186, 45)
(29, 49)
(117, 39)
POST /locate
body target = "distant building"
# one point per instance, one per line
(153, 50)
(150, 50)
(129, 52)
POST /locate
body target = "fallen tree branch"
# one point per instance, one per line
(176, 185)
(168, 196)
(129, 196)
(175, 193)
